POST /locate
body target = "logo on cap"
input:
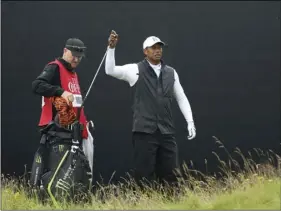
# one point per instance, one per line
(154, 39)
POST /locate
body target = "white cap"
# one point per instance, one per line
(150, 41)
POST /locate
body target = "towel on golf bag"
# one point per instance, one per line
(66, 116)
(68, 168)
(88, 148)
(65, 112)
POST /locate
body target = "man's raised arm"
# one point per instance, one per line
(126, 72)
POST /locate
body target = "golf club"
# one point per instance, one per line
(89, 89)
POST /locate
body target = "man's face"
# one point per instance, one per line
(73, 60)
(154, 52)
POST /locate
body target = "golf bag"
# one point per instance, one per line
(60, 168)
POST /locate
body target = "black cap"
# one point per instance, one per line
(76, 46)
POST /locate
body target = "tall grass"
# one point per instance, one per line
(239, 185)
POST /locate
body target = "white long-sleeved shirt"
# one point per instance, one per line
(129, 73)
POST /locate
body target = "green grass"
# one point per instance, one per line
(251, 194)
(251, 187)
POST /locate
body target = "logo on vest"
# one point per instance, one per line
(73, 86)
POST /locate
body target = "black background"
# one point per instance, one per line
(227, 55)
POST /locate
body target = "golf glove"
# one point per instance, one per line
(191, 130)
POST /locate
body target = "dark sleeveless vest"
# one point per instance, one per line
(152, 100)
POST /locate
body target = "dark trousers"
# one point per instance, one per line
(155, 155)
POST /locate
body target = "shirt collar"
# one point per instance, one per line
(161, 64)
(66, 64)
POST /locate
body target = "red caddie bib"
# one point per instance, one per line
(69, 82)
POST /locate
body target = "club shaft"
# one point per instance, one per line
(94, 78)
(83, 102)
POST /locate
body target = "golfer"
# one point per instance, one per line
(155, 85)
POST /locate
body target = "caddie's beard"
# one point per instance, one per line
(74, 64)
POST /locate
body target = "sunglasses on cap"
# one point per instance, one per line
(76, 50)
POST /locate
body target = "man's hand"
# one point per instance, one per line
(113, 39)
(191, 130)
(67, 96)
